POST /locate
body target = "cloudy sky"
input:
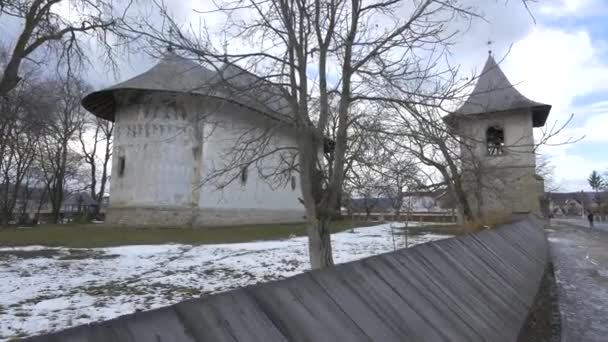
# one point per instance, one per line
(563, 61)
(560, 58)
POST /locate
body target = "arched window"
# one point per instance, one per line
(293, 183)
(495, 140)
(244, 175)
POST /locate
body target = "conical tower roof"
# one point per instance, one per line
(176, 74)
(494, 93)
(172, 74)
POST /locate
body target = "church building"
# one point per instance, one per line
(175, 161)
(495, 126)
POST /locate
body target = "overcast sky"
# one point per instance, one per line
(561, 60)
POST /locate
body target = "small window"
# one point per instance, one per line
(121, 166)
(244, 175)
(293, 183)
(495, 140)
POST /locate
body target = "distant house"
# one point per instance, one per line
(570, 203)
(416, 201)
(368, 205)
(425, 201)
(414, 204)
(573, 206)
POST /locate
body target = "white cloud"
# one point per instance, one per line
(555, 66)
(571, 171)
(593, 130)
(503, 24)
(576, 8)
(547, 64)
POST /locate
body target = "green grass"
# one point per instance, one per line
(99, 235)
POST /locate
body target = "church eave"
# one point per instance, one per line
(103, 103)
(540, 112)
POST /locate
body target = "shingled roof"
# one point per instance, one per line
(176, 74)
(494, 93)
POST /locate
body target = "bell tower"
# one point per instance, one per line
(495, 126)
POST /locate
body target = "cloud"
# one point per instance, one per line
(554, 65)
(594, 129)
(557, 67)
(547, 63)
(503, 24)
(573, 8)
(571, 170)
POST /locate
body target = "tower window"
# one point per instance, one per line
(121, 166)
(495, 140)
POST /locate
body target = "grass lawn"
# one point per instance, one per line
(99, 235)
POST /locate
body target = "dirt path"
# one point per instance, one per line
(580, 259)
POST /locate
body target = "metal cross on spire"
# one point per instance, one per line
(490, 46)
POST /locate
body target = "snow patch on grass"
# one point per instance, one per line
(47, 289)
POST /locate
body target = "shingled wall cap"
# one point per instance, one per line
(494, 93)
(176, 74)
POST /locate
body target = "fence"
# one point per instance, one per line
(476, 287)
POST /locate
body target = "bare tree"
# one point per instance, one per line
(419, 129)
(398, 177)
(21, 121)
(422, 131)
(287, 42)
(58, 158)
(97, 153)
(365, 186)
(46, 33)
(546, 170)
(32, 195)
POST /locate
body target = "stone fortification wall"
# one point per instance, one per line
(204, 217)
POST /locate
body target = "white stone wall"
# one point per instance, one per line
(156, 141)
(507, 182)
(256, 193)
(171, 145)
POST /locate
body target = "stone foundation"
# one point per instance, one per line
(506, 191)
(203, 217)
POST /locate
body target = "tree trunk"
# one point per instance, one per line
(455, 188)
(57, 195)
(465, 208)
(319, 243)
(40, 203)
(56, 213)
(6, 212)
